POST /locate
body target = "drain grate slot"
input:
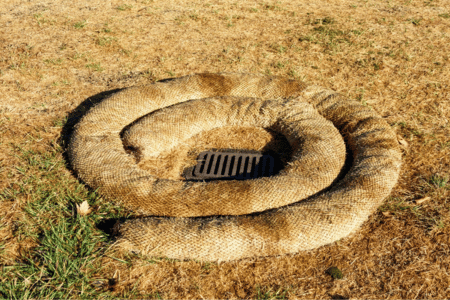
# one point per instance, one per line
(231, 165)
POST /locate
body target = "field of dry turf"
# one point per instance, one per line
(57, 58)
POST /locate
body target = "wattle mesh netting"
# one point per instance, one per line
(304, 206)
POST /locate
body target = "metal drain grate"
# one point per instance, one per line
(231, 165)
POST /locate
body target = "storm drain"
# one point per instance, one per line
(231, 165)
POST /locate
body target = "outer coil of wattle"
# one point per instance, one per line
(318, 220)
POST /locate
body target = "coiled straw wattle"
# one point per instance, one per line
(302, 207)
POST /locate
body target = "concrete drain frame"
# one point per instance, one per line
(229, 164)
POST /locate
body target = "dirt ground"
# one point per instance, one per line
(391, 55)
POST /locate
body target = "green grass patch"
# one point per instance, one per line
(264, 293)
(80, 25)
(395, 205)
(52, 61)
(428, 215)
(330, 37)
(60, 267)
(66, 261)
(124, 7)
(335, 273)
(95, 67)
(106, 41)
(439, 182)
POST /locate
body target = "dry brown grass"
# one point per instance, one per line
(390, 55)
